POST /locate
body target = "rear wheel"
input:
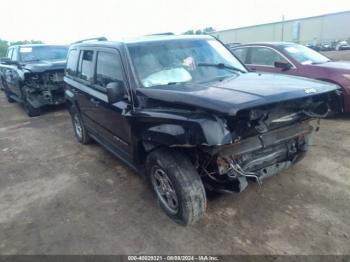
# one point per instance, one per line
(79, 128)
(178, 187)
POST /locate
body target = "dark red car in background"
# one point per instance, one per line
(298, 60)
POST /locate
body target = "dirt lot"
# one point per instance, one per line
(60, 197)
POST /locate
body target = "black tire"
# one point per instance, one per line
(183, 185)
(30, 110)
(7, 93)
(78, 126)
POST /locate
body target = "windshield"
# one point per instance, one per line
(37, 53)
(305, 55)
(179, 61)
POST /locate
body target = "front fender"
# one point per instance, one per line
(183, 129)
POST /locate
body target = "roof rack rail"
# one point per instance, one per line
(167, 33)
(102, 38)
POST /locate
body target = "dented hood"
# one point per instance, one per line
(42, 66)
(238, 93)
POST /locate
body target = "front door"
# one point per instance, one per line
(263, 59)
(112, 119)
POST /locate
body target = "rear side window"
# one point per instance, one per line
(86, 66)
(265, 56)
(108, 68)
(241, 53)
(9, 53)
(72, 62)
(15, 56)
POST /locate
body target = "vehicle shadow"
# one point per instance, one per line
(46, 110)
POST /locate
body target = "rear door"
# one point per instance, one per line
(11, 75)
(80, 78)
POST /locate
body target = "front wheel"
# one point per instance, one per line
(8, 93)
(30, 110)
(178, 187)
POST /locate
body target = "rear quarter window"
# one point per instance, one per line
(72, 62)
(86, 66)
(241, 54)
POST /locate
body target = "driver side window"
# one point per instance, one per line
(265, 56)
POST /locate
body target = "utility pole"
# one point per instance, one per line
(282, 36)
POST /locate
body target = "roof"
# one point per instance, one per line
(266, 43)
(33, 45)
(143, 39)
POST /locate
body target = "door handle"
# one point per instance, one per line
(94, 101)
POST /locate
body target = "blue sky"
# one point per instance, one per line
(65, 21)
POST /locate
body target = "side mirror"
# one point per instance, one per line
(8, 61)
(115, 91)
(283, 65)
(5, 60)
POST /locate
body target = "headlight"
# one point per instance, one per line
(347, 76)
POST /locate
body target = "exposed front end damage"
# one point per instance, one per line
(266, 140)
(227, 168)
(46, 88)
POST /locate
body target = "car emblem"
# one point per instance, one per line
(310, 90)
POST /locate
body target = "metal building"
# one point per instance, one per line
(323, 28)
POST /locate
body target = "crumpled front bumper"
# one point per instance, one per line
(48, 95)
(261, 156)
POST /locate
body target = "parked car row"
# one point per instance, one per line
(187, 114)
(329, 46)
(297, 60)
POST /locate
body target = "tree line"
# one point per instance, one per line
(5, 44)
(204, 31)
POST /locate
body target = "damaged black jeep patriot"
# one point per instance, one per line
(185, 112)
(33, 75)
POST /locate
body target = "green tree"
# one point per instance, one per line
(208, 30)
(189, 32)
(26, 42)
(3, 47)
(205, 31)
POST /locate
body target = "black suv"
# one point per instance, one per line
(33, 75)
(188, 115)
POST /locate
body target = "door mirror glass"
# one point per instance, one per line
(283, 65)
(115, 91)
(8, 61)
(5, 60)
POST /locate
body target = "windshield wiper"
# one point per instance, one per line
(223, 66)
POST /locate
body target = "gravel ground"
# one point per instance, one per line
(60, 197)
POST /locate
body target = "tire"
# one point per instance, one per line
(178, 187)
(78, 126)
(30, 110)
(7, 93)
